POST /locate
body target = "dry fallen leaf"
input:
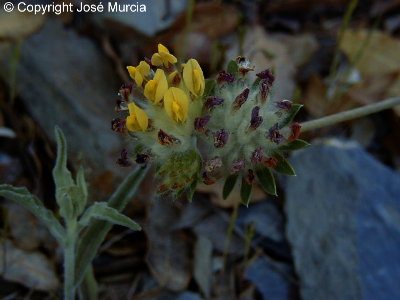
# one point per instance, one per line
(380, 56)
(32, 269)
(168, 251)
(265, 51)
(379, 64)
(210, 18)
(378, 67)
(17, 25)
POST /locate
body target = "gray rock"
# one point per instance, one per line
(343, 214)
(64, 79)
(266, 218)
(158, 16)
(271, 279)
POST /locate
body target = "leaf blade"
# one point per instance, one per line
(229, 185)
(283, 167)
(22, 196)
(101, 211)
(245, 192)
(209, 87)
(267, 180)
(294, 145)
(233, 67)
(290, 115)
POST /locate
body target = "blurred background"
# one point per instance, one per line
(333, 232)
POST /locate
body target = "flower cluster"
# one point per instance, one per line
(195, 130)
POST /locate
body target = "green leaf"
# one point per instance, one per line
(63, 179)
(290, 115)
(82, 190)
(101, 211)
(97, 229)
(283, 166)
(245, 192)
(267, 180)
(209, 87)
(229, 185)
(67, 208)
(233, 67)
(22, 196)
(294, 145)
(62, 176)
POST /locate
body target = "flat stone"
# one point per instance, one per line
(64, 79)
(343, 215)
(271, 279)
(158, 16)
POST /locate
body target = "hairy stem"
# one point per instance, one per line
(350, 114)
(69, 261)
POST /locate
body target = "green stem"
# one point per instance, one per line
(350, 114)
(69, 261)
(229, 234)
(88, 290)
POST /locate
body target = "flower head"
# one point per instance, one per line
(139, 73)
(163, 57)
(193, 77)
(231, 129)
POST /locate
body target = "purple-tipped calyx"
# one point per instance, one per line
(201, 122)
(284, 104)
(118, 125)
(274, 134)
(221, 138)
(257, 155)
(212, 102)
(240, 99)
(123, 161)
(238, 165)
(224, 76)
(256, 119)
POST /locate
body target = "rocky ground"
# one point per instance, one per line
(333, 231)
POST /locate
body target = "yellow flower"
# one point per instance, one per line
(156, 88)
(176, 104)
(193, 77)
(137, 119)
(163, 57)
(139, 73)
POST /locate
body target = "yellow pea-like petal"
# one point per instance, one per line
(162, 48)
(193, 77)
(144, 68)
(150, 90)
(162, 85)
(168, 59)
(176, 104)
(138, 79)
(188, 77)
(197, 83)
(156, 60)
(142, 118)
(138, 119)
(132, 124)
(131, 71)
